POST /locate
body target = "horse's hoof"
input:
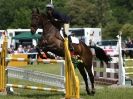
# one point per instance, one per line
(93, 92)
(88, 92)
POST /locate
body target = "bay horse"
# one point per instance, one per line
(52, 41)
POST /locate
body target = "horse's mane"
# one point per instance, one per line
(43, 14)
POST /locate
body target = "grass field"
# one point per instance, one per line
(102, 92)
(129, 63)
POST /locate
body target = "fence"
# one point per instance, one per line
(72, 81)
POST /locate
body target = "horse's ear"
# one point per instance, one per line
(37, 10)
(33, 10)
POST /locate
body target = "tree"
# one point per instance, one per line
(82, 13)
(22, 19)
(121, 10)
(130, 17)
(110, 15)
(103, 12)
(127, 31)
(111, 30)
(17, 13)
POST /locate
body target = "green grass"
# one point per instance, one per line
(102, 92)
(129, 63)
(49, 68)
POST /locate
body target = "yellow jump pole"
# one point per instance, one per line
(72, 81)
(3, 66)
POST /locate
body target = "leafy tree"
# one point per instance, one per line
(103, 12)
(81, 12)
(127, 31)
(22, 18)
(121, 14)
(17, 13)
(111, 15)
(121, 10)
(111, 30)
(130, 17)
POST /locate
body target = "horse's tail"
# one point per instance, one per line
(101, 55)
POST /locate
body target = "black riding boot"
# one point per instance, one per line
(71, 48)
(64, 34)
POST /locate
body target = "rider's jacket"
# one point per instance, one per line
(59, 17)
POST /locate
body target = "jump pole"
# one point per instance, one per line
(35, 88)
(72, 81)
(45, 61)
(3, 78)
(121, 67)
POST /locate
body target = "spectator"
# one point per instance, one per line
(25, 49)
(9, 50)
(28, 49)
(32, 50)
(20, 49)
(130, 45)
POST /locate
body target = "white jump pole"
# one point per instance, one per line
(121, 68)
(51, 1)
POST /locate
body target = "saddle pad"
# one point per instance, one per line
(61, 33)
(75, 40)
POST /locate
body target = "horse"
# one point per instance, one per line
(52, 41)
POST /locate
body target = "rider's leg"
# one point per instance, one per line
(67, 34)
(66, 30)
(70, 43)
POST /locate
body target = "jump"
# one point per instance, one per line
(52, 41)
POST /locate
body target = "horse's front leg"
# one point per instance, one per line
(39, 53)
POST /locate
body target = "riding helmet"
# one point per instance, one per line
(50, 6)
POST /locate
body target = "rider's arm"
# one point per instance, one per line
(61, 17)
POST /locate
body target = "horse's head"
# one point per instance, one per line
(35, 20)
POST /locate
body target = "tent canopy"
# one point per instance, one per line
(26, 35)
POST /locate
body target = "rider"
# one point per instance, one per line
(54, 15)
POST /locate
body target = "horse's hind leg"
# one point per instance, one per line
(91, 76)
(84, 75)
